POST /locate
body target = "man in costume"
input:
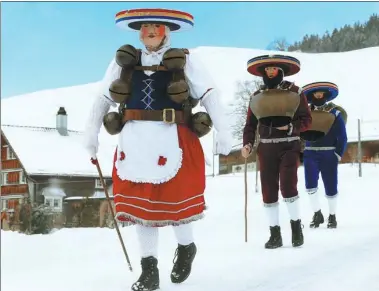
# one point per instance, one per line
(159, 165)
(325, 145)
(278, 112)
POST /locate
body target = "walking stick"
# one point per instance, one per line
(245, 200)
(96, 162)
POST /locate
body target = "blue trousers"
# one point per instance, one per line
(324, 162)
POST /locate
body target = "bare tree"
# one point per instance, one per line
(240, 105)
(280, 44)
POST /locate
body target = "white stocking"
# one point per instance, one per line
(184, 234)
(273, 214)
(293, 209)
(148, 240)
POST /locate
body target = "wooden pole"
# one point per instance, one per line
(113, 214)
(245, 200)
(359, 149)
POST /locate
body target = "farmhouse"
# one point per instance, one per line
(47, 165)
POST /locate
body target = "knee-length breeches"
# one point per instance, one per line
(324, 162)
(279, 163)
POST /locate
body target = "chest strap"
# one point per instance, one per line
(168, 115)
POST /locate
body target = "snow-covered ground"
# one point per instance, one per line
(345, 259)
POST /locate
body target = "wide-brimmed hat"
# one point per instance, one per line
(289, 65)
(174, 19)
(330, 88)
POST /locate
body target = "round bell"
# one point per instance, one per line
(127, 56)
(174, 59)
(178, 91)
(201, 124)
(120, 90)
(112, 122)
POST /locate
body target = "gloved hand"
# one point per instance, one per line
(338, 156)
(91, 143)
(224, 142)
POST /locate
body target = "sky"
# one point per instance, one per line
(47, 45)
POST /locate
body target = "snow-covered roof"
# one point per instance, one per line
(43, 151)
(354, 72)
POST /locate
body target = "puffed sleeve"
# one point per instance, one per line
(199, 80)
(112, 73)
(102, 101)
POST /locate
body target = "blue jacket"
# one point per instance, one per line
(336, 137)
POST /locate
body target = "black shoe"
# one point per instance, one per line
(275, 240)
(297, 233)
(318, 219)
(184, 256)
(332, 222)
(149, 279)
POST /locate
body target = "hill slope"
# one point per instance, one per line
(354, 72)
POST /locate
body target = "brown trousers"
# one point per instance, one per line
(278, 162)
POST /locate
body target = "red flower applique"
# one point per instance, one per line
(122, 156)
(162, 161)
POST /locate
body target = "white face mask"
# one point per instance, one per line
(154, 36)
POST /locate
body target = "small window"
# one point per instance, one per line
(22, 178)
(4, 204)
(49, 202)
(4, 179)
(10, 154)
(56, 203)
(98, 184)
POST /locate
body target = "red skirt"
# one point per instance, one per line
(178, 201)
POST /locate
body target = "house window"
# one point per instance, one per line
(98, 184)
(10, 154)
(22, 178)
(4, 204)
(4, 178)
(49, 202)
(54, 203)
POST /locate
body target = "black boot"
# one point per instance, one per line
(297, 233)
(149, 279)
(318, 219)
(275, 240)
(184, 256)
(332, 222)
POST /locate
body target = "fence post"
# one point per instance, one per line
(359, 149)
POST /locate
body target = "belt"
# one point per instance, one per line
(279, 139)
(168, 115)
(319, 148)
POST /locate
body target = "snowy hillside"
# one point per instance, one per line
(345, 259)
(354, 72)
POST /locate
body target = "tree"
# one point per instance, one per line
(346, 38)
(279, 44)
(240, 105)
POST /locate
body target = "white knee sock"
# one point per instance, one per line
(148, 240)
(273, 214)
(293, 209)
(184, 234)
(314, 200)
(332, 205)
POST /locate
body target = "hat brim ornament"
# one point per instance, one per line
(289, 65)
(330, 88)
(174, 19)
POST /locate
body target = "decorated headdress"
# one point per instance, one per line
(174, 19)
(289, 65)
(330, 88)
